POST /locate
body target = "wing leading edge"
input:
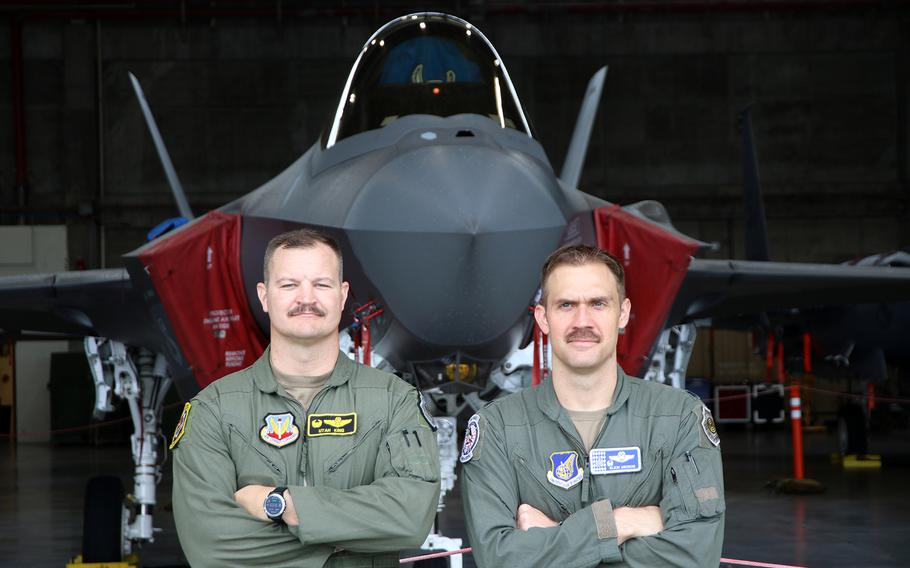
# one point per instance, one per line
(74, 304)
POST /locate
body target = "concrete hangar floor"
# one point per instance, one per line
(861, 520)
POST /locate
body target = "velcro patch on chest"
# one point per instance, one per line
(279, 430)
(564, 471)
(606, 461)
(331, 424)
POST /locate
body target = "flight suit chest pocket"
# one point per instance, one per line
(695, 486)
(353, 462)
(533, 490)
(255, 465)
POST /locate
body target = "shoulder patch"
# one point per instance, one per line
(708, 426)
(180, 430)
(471, 439)
(425, 412)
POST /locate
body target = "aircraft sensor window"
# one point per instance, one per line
(432, 64)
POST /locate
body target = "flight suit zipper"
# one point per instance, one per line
(582, 456)
(304, 452)
(264, 457)
(562, 506)
(633, 492)
(359, 443)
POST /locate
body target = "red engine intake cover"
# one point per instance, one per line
(196, 273)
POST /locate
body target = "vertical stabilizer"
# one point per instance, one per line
(578, 147)
(753, 204)
(182, 205)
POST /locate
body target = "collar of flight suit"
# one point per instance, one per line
(549, 404)
(265, 381)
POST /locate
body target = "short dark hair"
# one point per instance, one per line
(300, 238)
(579, 255)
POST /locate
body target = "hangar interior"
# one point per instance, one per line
(241, 89)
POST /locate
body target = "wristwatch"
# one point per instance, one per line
(275, 504)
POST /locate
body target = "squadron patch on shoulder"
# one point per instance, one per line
(707, 424)
(180, 430)
(471, 437)
(279, 430)
(425, 412)
(331, 424)
(564, 471)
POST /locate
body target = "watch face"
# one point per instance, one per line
(274, 505)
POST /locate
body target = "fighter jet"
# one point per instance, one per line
(432, 178)
(861, 339)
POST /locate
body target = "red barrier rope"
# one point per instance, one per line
(104, 424)
(468, 550)
(435, 555)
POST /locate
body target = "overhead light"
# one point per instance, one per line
(423, 25)
(468, 33)
(373, 42)
(381, 42)
(352, 98)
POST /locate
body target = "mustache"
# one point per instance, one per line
(306, 309)
(582, 334)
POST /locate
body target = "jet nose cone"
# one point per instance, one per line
(453, 238)
(457, 189)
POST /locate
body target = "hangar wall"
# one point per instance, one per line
(237, 100)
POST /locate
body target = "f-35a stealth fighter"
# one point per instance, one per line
(432, 179)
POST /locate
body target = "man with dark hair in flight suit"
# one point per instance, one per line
(306, 458)
(592, 467)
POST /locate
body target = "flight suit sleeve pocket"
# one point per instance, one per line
(410, 454)
(694, 488)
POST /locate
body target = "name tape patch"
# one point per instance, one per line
(331, 424)
(606, 461)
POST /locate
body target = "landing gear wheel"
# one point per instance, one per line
(853, 435)
(102, 524)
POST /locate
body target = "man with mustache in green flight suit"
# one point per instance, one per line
(306, 458)
(592, 467)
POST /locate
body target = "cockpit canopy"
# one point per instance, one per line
(426, 63)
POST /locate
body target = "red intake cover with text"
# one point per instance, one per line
(655, 261)
(196, 273)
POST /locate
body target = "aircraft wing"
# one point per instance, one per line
(73, 304)
(725, 288)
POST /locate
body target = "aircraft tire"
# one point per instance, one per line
(102, 528)
(853, 433)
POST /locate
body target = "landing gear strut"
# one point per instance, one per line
(142, 379)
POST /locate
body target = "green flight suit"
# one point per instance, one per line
(509, 463)
(363, 491)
